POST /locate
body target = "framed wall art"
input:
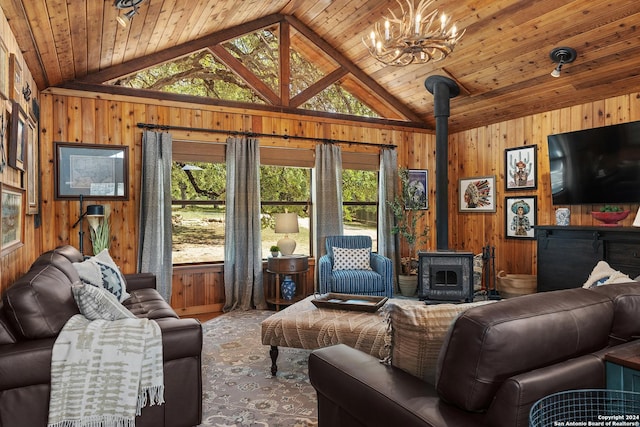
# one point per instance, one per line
(15, 78)
(477, 194)
(4, 137)
(520, 217)
(12, 223)
(32, 169)
(521, 168)
(4, 70)
(18, 137)
(418, 187)
(34, 111)
(91, 170)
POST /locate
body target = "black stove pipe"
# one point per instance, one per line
(443, 89)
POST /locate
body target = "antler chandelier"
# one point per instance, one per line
(413, 38)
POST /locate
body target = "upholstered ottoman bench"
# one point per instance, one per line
(303, 325)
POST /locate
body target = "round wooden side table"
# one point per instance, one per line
(294, 265)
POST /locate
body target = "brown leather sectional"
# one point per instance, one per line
(497, 360)
(35, 308)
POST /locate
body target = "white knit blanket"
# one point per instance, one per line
(104, 372)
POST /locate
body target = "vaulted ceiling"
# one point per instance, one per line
(502, 63)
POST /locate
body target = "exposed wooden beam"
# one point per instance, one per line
(194, 100)
(177, 51)
(213, 42)
(317, 87)
(285, 62)
(358, 89)
(247, 75)
(353, 69)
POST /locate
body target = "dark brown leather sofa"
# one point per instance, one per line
(35, 308)
(497, 360)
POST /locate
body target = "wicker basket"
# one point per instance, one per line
(513, 285)
(586, 407)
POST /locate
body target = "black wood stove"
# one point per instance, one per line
(445, 276)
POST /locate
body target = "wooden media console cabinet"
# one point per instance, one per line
(567, 255)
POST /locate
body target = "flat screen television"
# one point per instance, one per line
(593, 166)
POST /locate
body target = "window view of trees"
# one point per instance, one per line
(198, 74)
(202, 74)
(260, 53)
(360, 203)
(285, 189)
(198, 212)
(198, 188)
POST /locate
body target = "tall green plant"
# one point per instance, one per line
(100, 233)
(407, 208)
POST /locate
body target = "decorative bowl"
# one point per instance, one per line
(610, 218)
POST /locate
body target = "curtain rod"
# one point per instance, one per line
(256, 134)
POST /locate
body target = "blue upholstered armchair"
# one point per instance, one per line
(378, 281)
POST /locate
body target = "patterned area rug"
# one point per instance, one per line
(238, 389)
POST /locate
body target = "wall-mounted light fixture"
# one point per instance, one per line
(126, 18)
(562, 55)
(94, 214)
(26, 92)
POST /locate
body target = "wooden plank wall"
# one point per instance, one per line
(15, 263)
(97, 118)
(480, 152)
(91, 118)
(200, 288)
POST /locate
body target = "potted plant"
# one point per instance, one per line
(408, 210)
(100, 232)
(274, 251)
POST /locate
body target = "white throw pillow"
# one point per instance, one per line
(351, 259)
(98, 303)
(112, 278)
(89, 272)
(603, 274)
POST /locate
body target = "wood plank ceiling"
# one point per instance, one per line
(502, 63)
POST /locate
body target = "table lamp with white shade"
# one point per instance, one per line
(286, 223)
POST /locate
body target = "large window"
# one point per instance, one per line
(360, 203)
(198, 211)
(198, 193)
(360, 194)
(286, 189)
(205, 73)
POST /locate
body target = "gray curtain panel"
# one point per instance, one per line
(243, 286)
(388, 243)
(154, 248)
(327, 188)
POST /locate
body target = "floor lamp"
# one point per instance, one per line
(93, 213)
